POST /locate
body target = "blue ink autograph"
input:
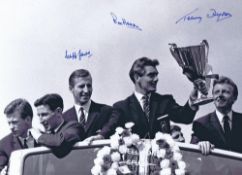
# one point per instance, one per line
(77, 55)
(124, 22)
(212, 14)
(219, 16)
(190, 17)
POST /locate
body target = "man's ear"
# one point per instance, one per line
(70, 88)
(28, 119)
(59, 110)
(136, 77)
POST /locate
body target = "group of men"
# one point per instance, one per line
(149, 111)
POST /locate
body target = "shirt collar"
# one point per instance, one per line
(220, 116)
(57, 129)
(86, 107)
(138, 96)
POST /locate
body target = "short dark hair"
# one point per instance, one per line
(226, 80)
(20, 105)
(52, 100)
(139, 64)
(78, 74)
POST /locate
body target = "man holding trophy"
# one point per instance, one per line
(151, 112)
(194, 62)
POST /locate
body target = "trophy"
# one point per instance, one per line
(194, 62)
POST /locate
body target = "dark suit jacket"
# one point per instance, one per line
(208, 128)
(8, 144)
(61, 142)
(98, 120)
(160, 105)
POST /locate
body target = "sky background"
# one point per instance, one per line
(36, 35)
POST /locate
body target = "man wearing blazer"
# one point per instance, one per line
(94, 117)
(59, 135)
(19, 116)
(221, 128)
(151, 112)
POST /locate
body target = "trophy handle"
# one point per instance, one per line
(175, 53)
(205, 43)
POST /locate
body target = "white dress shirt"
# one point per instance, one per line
(139, 97)
(221, 116)
(85, 107)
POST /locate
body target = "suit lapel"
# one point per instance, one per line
(216, 126)
(136, 111)
(15, 143)
(153, 107)
(92, 116)
(73, 114)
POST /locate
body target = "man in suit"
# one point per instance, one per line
(151, 112)
(94, 117)
(59, 135)
(221, 128)
(19, 116)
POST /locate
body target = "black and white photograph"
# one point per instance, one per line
(112, 87)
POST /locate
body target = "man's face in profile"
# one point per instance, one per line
(47, 117)
(18, 125)
(82, 90)
(223, 95)
(148, 82)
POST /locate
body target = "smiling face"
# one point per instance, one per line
(82, 89)
(48, 118)
(18, 125)
(148, 81)
(224, 98)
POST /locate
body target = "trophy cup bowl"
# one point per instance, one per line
(194, 62)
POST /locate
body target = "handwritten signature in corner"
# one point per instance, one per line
(211, 14)
(219, 16)
(124, 22)
(74, 55)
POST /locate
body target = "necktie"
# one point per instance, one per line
(227, 130)
(25, 145)
(82, 117)
(146, 106)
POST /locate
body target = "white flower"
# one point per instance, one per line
(154, 147)
(177, 156)
(114, 145)
(111, 172)
(129, 125)
(135, 138)
(164, 163)
(98, 161)
(165, 171)
(106, 150)
(161, 153)
(96, 170)
(179, 171)
(123, 149)
(119, 130)
(115, 157)
(127, 141)
(181, 164)
(175, 148)
(115, 165)
(159, 136)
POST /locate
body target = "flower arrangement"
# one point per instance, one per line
(122, 157)
(165, 157)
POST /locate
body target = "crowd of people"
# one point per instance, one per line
(148, 110)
